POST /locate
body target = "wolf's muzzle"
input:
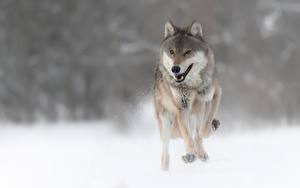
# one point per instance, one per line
(175, 69)
(181, 77)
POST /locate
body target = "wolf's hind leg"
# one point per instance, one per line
(201, 153)
(165, 120)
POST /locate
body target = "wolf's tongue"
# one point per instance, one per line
(179, 77)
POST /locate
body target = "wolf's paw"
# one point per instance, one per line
(188, 158)
(203, 157)
(215, 124)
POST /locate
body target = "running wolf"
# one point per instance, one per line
(186, 91)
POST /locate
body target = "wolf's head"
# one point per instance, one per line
(184, 51)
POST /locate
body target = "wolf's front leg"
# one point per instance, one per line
(165, 121)
(183, 123)
(211, 108)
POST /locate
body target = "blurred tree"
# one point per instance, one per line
(72, 59)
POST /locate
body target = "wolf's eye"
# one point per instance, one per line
(188, 52)
(172, 52)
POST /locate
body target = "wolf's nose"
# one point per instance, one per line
(175, 69)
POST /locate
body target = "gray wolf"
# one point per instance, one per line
(186, 91)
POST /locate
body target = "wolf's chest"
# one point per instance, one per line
(183, 97)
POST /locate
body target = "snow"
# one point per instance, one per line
(77, 155)
(270, 23)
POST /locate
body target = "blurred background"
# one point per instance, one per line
(91, 60)
(76, 80)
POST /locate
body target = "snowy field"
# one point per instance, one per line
(77, 155)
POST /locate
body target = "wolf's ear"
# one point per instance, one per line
(196, 29)
(170, 29)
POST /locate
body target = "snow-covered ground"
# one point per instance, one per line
(80, 156)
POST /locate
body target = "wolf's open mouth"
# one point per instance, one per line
(181, 77)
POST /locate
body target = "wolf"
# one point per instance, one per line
(187, 92)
